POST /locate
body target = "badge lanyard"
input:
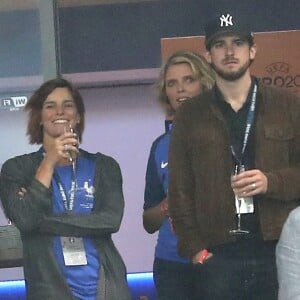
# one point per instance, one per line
(73, 248)
(250, 120)
(168, 125)
(67, 204)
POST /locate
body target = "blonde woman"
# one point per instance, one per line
(183, 76)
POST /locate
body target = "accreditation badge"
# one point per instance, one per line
(73, 251)
(246, 205)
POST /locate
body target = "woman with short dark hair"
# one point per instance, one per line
(66, 202)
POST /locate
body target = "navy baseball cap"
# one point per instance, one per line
(226, 24)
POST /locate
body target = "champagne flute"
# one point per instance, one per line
(72, 156)
(238, 201)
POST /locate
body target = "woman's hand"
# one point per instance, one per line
(164, 206)
(58, 152)
(64, 148)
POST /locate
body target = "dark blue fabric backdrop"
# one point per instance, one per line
(126, 36)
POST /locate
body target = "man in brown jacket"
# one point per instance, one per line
(239, 124)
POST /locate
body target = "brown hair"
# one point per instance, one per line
(199, 66)
(35, 105)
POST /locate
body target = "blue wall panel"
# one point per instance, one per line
(126, 36)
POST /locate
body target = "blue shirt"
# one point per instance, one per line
(156, 189)
(82, 280)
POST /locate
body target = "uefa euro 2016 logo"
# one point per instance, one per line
(281, 75)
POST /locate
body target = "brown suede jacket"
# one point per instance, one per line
(200, 163)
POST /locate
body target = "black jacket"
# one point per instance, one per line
(33, 216)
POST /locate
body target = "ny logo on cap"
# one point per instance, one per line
(226, 20)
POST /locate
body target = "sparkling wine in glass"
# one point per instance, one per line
(238, 200)
(72, 156)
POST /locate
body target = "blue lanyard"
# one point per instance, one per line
(68, 203)
(250, 120)
(168, 125)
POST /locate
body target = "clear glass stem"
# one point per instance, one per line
(74, 172)
(239, 221)
(239, 212)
